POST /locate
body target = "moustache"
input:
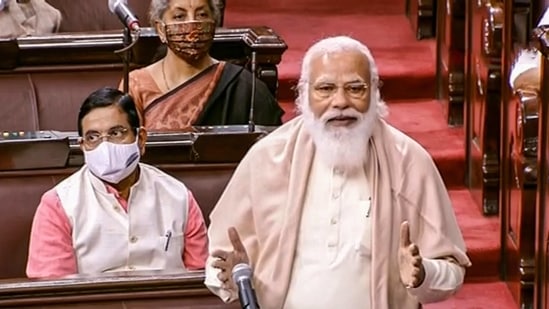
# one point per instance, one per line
(346, 114)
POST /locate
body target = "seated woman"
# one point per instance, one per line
(188, 87)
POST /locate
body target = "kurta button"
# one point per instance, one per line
(335, 195)
(116, 208)
(131, 267)
(333, 221)
(133, 239)
(331, 244)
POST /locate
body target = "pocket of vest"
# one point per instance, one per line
(170, 247)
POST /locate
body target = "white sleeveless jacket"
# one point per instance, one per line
(149, 236)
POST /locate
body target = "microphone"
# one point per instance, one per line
(251, 124)
(242, 277)
(121, 9)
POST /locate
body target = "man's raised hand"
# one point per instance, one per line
(410, 262)
(226, 260)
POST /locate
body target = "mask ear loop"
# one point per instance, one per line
(136, 135)
(162, 37)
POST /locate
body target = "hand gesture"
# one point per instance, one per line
(410, 263)
(227, 260)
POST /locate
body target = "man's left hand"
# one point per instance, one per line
(410, 262)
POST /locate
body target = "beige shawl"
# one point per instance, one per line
(264, 200)
(34, 17)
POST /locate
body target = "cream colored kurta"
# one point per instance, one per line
(106, 238)
(333, 254)
(265, 202)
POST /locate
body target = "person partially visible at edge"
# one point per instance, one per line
(188, 87)
(115, 214)
(21, 18)
(352, 213)
(526, 70)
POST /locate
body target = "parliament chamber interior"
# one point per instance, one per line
(444, 66)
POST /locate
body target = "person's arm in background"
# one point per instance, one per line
(51, 253)
(195, 250)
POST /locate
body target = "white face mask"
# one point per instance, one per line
(113, 162)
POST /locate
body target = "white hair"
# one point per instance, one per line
(336, 45)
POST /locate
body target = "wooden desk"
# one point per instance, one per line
(112, 291)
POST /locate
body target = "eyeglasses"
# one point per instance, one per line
(353, 90)
(115, 135)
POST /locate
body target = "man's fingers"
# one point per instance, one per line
(223, 276)
(220, 254)
(414, 250)
(417, 261)
(221, 264)
(235, 241)
(405, 234)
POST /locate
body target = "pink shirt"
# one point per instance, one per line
(51, 253)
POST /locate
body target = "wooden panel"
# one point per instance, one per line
(451, 58)
(112, 291)
(421, 14)
(82, 15)
(519, 128)
(484, 42)
(520, 190)
(542, 215)
(542, 243)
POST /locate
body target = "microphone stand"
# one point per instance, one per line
(126, 53)
(251, 123)
(127, 41)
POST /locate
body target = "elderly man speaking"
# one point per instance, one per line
(336, 208)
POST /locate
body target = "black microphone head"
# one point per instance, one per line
(242, 271)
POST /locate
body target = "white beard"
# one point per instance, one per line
(341, 147)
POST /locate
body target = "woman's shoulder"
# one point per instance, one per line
(143, 78)
(143, 72)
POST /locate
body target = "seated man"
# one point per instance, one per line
(115, 214)
(352, 213)
(188, 87)
(27, 17)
